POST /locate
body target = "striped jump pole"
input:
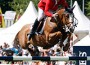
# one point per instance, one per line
(51, 58)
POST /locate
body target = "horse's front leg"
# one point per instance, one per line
(47, 38)
(56, 35)
(52, 36)
(62, 40)
(66, 47)
(68, 41)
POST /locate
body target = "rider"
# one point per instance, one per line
(46, 8)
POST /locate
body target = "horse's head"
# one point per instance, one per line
(66, 20)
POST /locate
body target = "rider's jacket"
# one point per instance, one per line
(51, 5)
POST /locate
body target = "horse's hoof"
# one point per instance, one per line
(61, 45)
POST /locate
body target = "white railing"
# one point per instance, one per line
(9, 17)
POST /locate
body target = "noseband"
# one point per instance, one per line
(65, 26)
(72, 24)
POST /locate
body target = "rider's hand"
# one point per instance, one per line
(53, 18)
(54, 15)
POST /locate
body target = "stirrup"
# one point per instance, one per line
(28, 36)
(37, 33)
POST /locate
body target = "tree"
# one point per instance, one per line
(88, 9)
(17, 5)
(4, 4)
(86, 5)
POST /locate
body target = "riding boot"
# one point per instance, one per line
(40, 27)
(34, 28)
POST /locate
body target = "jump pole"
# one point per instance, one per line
(50, 58)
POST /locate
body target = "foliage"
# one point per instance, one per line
(86, 12)
(4, 5)
(88, 9)
(17, 5)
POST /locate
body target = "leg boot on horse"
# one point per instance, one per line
(32, 32)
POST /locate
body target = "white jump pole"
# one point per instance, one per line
(51, 58)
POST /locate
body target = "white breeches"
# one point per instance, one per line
(41, 14)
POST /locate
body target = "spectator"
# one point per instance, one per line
(0, 20)
(1, 51)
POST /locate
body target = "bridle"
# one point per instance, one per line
(72, 24)
(74, 21)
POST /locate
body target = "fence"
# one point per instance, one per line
(9, 18)
(51, 58)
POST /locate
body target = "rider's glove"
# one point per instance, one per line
(53, 18)
(54, 15)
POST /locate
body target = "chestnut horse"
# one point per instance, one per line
(55, 30)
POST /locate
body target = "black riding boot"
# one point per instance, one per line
(34, 28)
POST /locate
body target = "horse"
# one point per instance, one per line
(55, 31)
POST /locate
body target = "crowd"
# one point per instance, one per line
(5, 50)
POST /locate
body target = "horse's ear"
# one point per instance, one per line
(73, 7)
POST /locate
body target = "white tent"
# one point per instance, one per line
(83, 21)
(83, 26)
(7, 35)
(84, 42)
